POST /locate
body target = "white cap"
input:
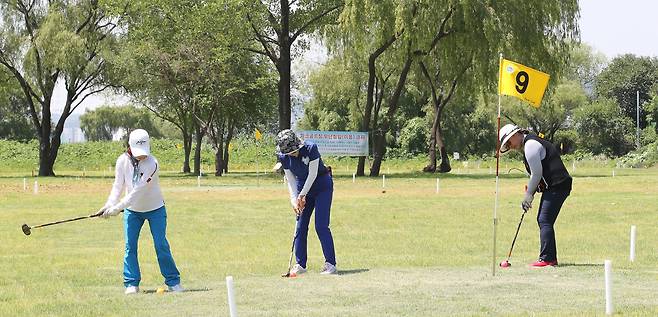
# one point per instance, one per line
(139, 143)
(505, 134)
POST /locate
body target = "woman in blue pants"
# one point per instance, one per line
(311, 188)
(137, 175)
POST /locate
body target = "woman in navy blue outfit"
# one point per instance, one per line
(311, 188)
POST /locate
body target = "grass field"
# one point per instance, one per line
(406, 252)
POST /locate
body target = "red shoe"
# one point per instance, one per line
(542, 263)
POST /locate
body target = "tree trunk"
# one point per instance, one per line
(284, 88)
(229, 138)
(218, 139)
(445, 160)
(367, 112)
(431, 167)
(380, 139)
(198, 136)
(187, 147)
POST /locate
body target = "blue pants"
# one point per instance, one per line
(318, 198)
(133, 222)
(549, 208)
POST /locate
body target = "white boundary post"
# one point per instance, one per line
(633, 235)
(608, 287)
(437, 185)
(231, 297)
(36, 187)
(384, 181)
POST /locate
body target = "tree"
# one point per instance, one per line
(602, 129)
(457, 35)
(43, 43)
(623, 78)
(277, 25)
(102, 123)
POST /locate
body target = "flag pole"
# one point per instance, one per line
(495, 211)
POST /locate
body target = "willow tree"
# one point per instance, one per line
(453, 36)
(47, 43)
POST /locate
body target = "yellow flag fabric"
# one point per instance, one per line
(257, 134)
(522, 82)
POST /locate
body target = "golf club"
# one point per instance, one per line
(292, 250)
(506, 263)
(27, 230)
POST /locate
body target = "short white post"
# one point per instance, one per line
(36, 187)
(231, 297)
(633, 234)
(437, 185)
(613, 172)
(353, 178)
(384, 181)
(608, 287)
(24, 184)
(198, 181)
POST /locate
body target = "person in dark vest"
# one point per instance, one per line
(547, 176)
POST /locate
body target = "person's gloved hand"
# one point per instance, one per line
(111, 211)
(101, 211)
(526, 204)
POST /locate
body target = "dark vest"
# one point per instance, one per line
(554, 175)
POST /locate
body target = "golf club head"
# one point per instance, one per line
(285, 274)
(26, 229)
(505, 264)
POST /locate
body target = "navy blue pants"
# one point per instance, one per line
(549, 209)
(318, 198)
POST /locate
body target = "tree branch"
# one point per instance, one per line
(303, 28)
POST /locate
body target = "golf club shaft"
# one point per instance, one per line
(292, 248)
(63, 221)
(515, 235)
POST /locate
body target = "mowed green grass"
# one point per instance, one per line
(406, 252)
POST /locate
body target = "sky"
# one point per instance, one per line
(615, 27)
(612, 27)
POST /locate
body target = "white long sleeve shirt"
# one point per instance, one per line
(534, 153)
(144, 194)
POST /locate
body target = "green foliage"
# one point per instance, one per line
(602, 129)
(623, 78)
(14, 119)
(414, 136)
(103, 122)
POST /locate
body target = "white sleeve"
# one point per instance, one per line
(312, 175)
(147, 173)
(117, 187)
(534, 153)
(292, 186)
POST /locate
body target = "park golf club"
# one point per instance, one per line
(292, 250)
(27, 230)
(506, 264)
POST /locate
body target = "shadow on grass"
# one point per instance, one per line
(189, 290)
(354, 271)
(580, 264)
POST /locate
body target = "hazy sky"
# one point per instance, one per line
(616, 27)
(612, 27)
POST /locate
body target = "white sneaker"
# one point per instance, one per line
(298, 269)
(131, 290)
(176, 288)
(328, 268)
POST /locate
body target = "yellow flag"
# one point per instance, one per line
(257, 134)
(522, 82)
